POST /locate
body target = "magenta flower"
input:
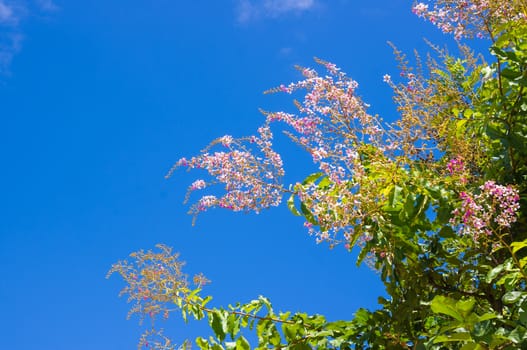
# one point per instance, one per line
(456, 166)
(495, 207)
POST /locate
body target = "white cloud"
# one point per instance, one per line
(252, 9)
(278, 7)
(246, 11)
(9, 46)
(10, 38)
(7, 14)
(12, 15)
(47, 5)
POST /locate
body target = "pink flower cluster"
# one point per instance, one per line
(495, 207)
(198, 185)
(467, 18)
(249, 169)
(334, 127)
(332, 120)
(455, 166)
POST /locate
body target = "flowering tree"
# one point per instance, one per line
(435, 201)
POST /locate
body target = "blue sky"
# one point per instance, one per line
(100, 98)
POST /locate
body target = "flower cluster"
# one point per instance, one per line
(334, 215)
(156, 340)
(495, 207)
(468, 18)
(455, 166)
(333, 120)
(153, 280)
(457, 169)
(251, 175)
(154, 283)
(342, 139)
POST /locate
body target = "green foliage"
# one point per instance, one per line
(442, 224)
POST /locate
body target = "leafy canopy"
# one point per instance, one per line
(435, 201)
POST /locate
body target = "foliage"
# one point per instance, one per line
(435, 201)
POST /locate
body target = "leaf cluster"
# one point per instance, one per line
(446, 289)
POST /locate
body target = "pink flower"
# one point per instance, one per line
(420, 9)
(226, 140)
(198, 185)
(468, 18)
(456, 166)
(182, 162)
(283, 88)
(250, 170)
(496, 207)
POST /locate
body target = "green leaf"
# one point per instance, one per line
(494, 273)
(467, 113)
(242, 343)
(494, 133)
(445, 305)
(504, 54)
(262, 331)
(512, 297)
(265, 301)
(466, 306)
(324, 183)
(486, 317)
(510, 74)
(472, 346)
(509, 280)
(274, 336)
(291, 205)
(202, 343)
(290, 331)
(518, 245)
(362, 316)
(218, 324)
(395, 196)
(465, 336)
(312, 178)
(308, 215)
(517, 335)
(233, 325)
(408, 207)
